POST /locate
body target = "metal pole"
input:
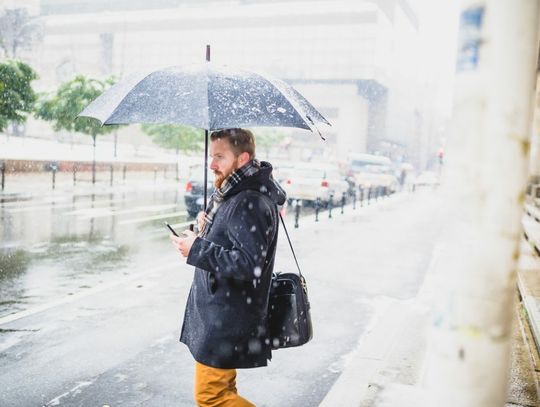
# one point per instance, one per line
(74, 173)
(3, 169)
(317, 208)
(94, 160)
(53, 176)
(205, 169)
(112, 172)
(297, 205)
(483, 185)
(206, 148)
(330, 205)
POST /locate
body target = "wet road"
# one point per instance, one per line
(92, 304)
(59, 243)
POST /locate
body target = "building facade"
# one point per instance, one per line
(356, 61)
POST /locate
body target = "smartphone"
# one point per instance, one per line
(171, 229)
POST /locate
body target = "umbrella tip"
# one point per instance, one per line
(320, 134)
(316, 128)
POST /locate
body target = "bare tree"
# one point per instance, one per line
(18, 30)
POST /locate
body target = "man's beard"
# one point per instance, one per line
(220, 176)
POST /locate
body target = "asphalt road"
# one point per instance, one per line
(111, 337)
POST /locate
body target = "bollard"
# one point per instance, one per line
(3, 169)
(297, 204)
(124, 173)
(74, 174)
(317, 208)
(369, 195)
(354, 198)
(54, 168)
(343, 199)
(361, 190)
(112, 175)
(330, 205)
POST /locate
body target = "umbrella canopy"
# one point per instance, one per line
(204, 96)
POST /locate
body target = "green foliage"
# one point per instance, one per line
(16, 94)
(179, 138)
(61, 108)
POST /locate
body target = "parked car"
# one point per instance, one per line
(194, 192)
(427, 179)
(282, 170)
(372, 171)
(309, 181)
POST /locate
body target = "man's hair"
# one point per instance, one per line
(241, 140)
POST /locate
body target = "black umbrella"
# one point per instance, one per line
(206, 96)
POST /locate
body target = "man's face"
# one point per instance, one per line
(223, 161)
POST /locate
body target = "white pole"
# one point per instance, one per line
(485, 175)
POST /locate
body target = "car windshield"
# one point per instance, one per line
(309, 173)
(318, 173)
(369, 167)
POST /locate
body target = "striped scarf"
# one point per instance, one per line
(219, 194)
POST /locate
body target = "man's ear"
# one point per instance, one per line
(243, 158)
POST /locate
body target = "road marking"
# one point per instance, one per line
(164, 216)
(88, 213)
(61, 206)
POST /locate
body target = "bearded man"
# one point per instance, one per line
(225, 322)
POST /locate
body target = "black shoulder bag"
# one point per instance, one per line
(289, 318)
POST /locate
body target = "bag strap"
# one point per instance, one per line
(290, 244)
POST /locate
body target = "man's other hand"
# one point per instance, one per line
(184, 242)
(200, 220)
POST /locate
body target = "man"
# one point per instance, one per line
(225, 320)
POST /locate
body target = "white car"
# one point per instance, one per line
(427, 178)
(309, 181)
(372, 171)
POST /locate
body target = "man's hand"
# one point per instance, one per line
(200, 220)
(184, 242)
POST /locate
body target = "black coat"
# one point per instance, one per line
(225, 321)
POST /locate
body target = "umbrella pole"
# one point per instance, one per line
(206, 147)
(205, 167)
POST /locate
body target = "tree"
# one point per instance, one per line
(17, 30)
(265, 139)
(61, 108)
(179, 138)
(16, 94)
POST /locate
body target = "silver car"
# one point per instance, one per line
(309, 181)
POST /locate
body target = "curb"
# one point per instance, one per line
(380, 357)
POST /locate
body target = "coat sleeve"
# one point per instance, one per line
(250, 228)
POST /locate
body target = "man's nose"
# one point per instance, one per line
(213, 165)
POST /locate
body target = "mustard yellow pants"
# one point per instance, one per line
(217, 388)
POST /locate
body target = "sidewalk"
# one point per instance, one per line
(387, 367)
(28, 148)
